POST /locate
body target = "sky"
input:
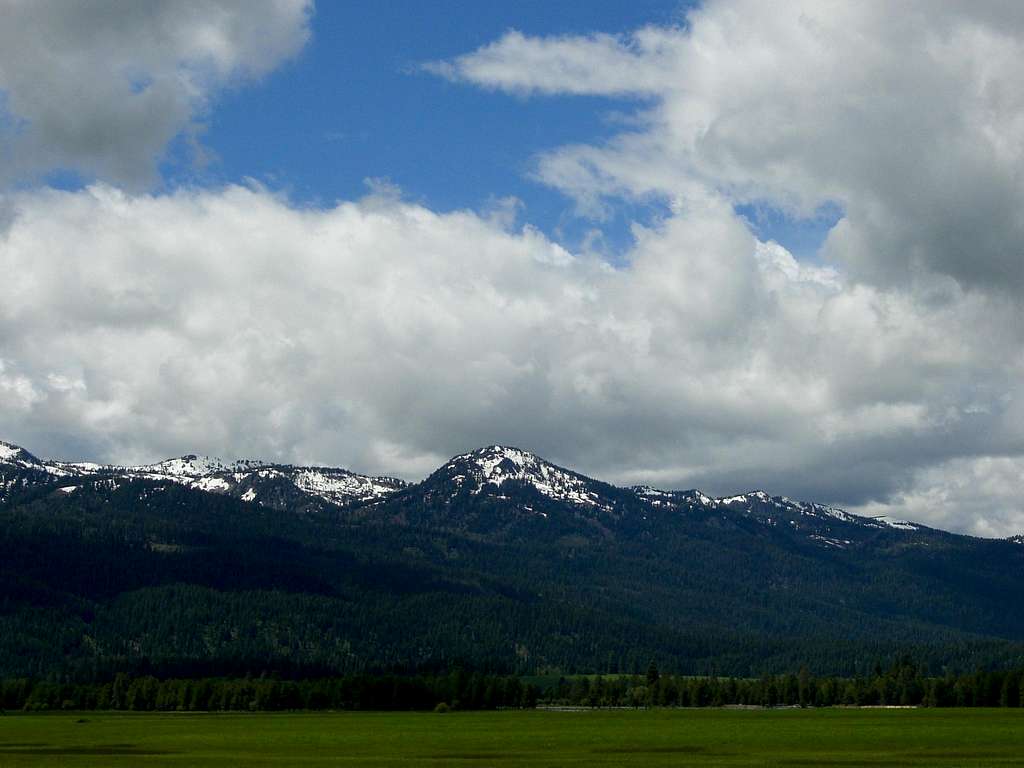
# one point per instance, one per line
(722, 245)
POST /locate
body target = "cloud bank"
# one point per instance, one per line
(385, 336)
(378, 334)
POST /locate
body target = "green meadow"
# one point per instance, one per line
(826, 737)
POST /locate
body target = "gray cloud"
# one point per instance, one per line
(386, 337)
(102, 87)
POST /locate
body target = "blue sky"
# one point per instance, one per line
(356, 105)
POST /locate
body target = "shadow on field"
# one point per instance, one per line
(680, 750)
(901, 759)
(471, 756)
(34, 748)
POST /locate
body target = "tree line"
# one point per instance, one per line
(902, 684)
(458, 690)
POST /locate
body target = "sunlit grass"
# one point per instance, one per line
(834, 737)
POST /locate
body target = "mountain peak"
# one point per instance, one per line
(18, 456)
(10, 452)
(501, 458)
(488, 468)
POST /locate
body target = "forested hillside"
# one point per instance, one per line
(498, 562)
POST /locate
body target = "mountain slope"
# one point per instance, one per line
(497, 559)
(281, 486)
(508, 486)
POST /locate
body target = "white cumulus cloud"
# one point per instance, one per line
(910, 118)
(384, 336)
(381, 335)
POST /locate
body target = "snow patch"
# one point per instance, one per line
(212, 484)
(831, 542)
(9, 452)
(903, 525)
(336, 484)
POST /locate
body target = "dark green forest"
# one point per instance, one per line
(157, 579)
(903, 684)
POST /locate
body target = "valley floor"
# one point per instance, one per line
(828, 737)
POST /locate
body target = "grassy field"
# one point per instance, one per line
(652, 738)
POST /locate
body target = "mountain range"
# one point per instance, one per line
(498, 560)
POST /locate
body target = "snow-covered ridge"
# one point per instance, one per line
(760, 501)
(496, 464)
(15, 456)
(199, 466)
(903, 525)
(338, 484)
(9, 452)
(190, 466)
(491, 467)
(243, 478)
(247, 479)
(486, 468)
